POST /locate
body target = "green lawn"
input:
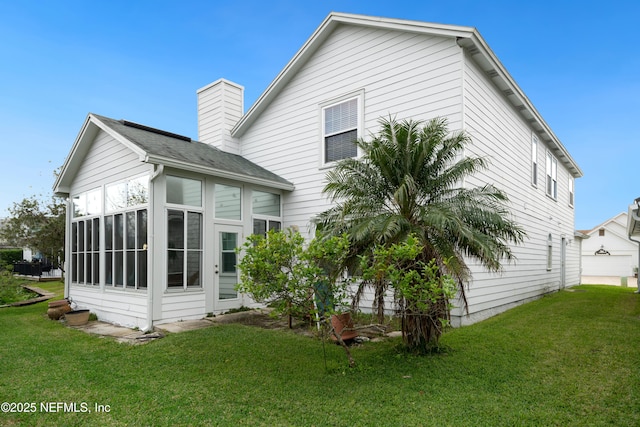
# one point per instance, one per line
(572, 358)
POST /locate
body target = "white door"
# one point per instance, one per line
(225, 269)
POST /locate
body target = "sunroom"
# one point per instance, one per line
(154, 220)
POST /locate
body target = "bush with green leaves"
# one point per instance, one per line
(8, 257)
(280, 270)
(422, 292)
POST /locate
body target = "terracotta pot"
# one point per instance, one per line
(77, 317)
(58, 308)
(339, 322)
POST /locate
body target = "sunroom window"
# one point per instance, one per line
(266, 212)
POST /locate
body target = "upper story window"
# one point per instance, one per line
(340, 128)
(571, 191)
(534, 160)
(184, 191)
(552, 176)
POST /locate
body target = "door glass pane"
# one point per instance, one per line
(228, 275)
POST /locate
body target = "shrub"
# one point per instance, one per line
(8, 257)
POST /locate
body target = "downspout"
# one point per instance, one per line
(67, 245)
(159, 169)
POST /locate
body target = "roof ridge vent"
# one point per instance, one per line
(154, 130)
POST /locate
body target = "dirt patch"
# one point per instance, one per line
(264, 318)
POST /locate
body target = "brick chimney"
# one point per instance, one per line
(220, 106)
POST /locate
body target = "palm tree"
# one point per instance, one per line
(408, 182)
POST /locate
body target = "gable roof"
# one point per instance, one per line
(621, 215)
(467, 38)
(159, 147)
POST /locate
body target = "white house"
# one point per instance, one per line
(154, 217)
(608, 251)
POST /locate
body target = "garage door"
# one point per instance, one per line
(607, 265)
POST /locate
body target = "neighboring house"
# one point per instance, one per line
(154, 217)
(608, 251)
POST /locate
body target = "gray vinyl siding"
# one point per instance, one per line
(400, 74)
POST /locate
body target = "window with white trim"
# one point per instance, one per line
(125, 233)
(571, 191)
(266, 212)
(85, 238)
(552, 176)
(184, 249)
(340, 124)
(534, 160)
(125, 244)
(184, 233)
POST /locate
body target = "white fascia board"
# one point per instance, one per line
(61, 187)
(217, 172)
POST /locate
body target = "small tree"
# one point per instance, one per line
(279, 270)
(37, 225)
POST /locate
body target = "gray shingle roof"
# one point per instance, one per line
(163, 145)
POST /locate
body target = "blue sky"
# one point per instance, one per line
(579, 63)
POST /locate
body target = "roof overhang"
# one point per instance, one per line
(92, 125)
(467, 38)
(173, 163)
(87, 135)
